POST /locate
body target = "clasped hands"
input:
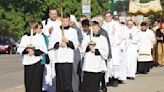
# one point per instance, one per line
(30, 51)
(50, 30)
(64, 42)
(92, 48)
(130, 36)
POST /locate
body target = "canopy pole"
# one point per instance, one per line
(161, 19)
(61, 10)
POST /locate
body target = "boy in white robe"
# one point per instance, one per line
(147, 41)
(66, 41)
(32, 46)
(94, 59)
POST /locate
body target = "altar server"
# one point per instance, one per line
(65, 44)
(147, 41)
(95, 47)
(32, 46)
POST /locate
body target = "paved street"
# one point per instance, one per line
(11, 72)
(152, 82)
(11, 78)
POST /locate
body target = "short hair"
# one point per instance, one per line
(66, 15)
(33, 24)
(116, 17)
(134, 23)
(123, 23)
(95, 23)
(83, 16)
(85, 22)
(160, 21)
(40, 24)
(108, 12)
(52, 7)
(143, 24)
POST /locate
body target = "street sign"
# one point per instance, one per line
(86, 7)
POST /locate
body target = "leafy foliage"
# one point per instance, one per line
(15, 13)
(122, 6)
(144, 1)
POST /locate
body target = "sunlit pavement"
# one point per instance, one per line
(11, 78)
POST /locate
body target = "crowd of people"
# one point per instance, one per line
(61, 54)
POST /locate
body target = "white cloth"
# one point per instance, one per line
(114, 64)
(84, 34)
(56, 26)
(49, 75)
(113, 30)
(93, 63)
(51, 37)
(49, 72)
(38, 42)
(145, 45)
(50, 23)
(66, 54)
(122, 67)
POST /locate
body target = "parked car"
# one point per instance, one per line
(7, 45)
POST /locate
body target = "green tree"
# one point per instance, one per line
(99, 7)
(122, 6)
(15, 13)
(156, 16)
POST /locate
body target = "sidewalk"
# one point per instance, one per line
(16, 89)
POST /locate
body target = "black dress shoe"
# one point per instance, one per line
(44, 91)
(120, 82)
(131, 78)
(115, 82)
(109, 84)
(144, 73)
(104, 90)
(128, 77)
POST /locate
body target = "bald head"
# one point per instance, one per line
(128, 18)
(130, 24)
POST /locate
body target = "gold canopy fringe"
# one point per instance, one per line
(145, 8)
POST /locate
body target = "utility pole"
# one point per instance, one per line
(112, 6)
